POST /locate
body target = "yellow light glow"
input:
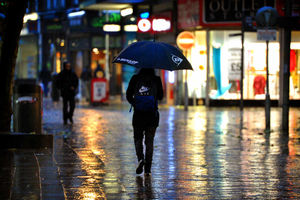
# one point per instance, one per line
(126, 12)
(31, 16)
(62, 43)
(96, 51)
(111, 28)
(130, 28)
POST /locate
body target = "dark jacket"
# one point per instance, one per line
(67, 82)
(140, 118)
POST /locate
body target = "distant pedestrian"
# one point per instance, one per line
(55, 89)
(45, 78)
(86, 77)
(144, 90)
(68, 84)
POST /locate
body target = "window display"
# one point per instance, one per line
(225, 66)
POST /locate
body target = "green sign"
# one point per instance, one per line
(54, 27)
(98, 22)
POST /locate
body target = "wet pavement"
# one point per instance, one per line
(205, 153)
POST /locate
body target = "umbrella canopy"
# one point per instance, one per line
(148, 54)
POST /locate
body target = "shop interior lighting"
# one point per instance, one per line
(295, 45)
(111, 28)
(132, 19)
(144, 15)
(31, 16)
(96, 51)
(62, 43)
(130, 28)
(216, 45)
(126, 12)
(76, 14)
(171, 77)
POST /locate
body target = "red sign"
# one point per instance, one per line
(185, 40)
(188, 13)
(99, 90)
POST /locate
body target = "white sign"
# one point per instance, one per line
(99, 91)
(154, 25)
(234, 64)
(266, 34)
(161, 24)
(144, 25)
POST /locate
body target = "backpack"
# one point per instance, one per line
(145, 94)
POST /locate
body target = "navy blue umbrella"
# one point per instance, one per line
(158, 55)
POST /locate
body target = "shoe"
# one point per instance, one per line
(147, 174)
(147, 169)
(140, 166)
(71, 120)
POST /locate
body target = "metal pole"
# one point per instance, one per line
(208, 68)
(242, 72)
(186, 98)
(286, 72)
(107, 56)
(268, 103)
(107, 74)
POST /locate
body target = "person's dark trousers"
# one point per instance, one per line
(68, 108)
(149, 133)
(46, 89)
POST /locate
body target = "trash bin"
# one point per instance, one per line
(27, 108)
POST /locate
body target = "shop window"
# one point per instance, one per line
(295, 66)
(27, 58)
(197, 56)
(225, 66)
(98, 63)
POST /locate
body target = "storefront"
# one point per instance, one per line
(53, 49)
(27, 63)
(105, 44)
(88, 50)
(216, 55)
(27, 59)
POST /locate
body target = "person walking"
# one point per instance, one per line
(143, 92)
(68, 84)
(45, 78)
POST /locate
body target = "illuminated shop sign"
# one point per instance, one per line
(112, 28)
(229, 11)
(144, 25)
(154, 25)
(54, 27)
(113, 18)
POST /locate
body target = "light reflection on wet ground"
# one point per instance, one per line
(199, 154)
